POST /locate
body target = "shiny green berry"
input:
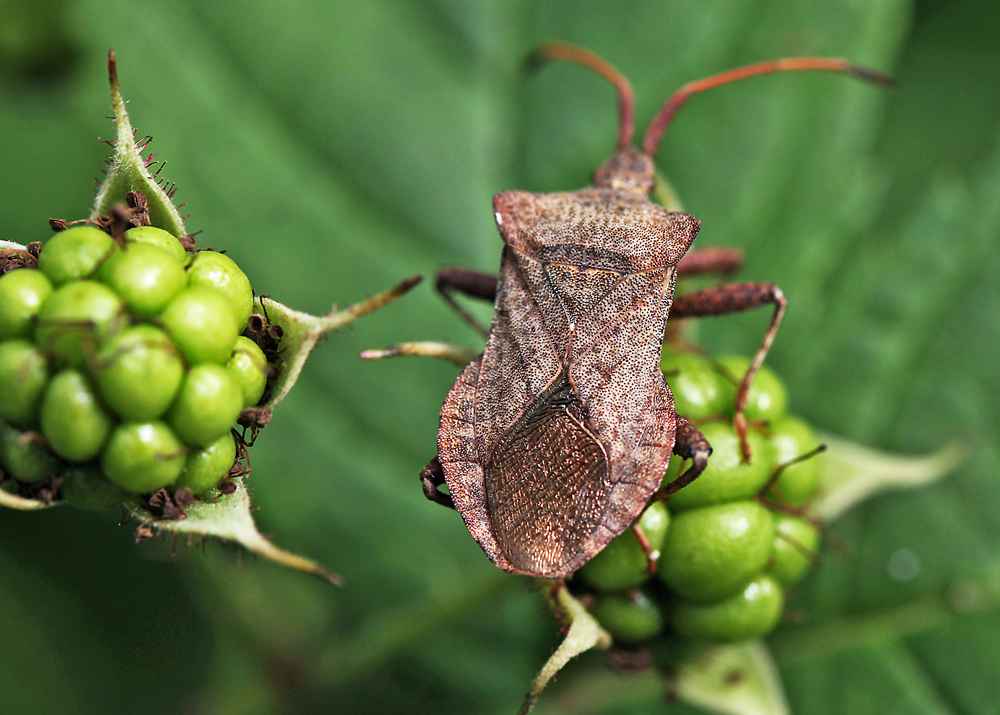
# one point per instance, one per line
(159, 238)
(205, 468)
(23, 376)
(727, 477)
(207, 405)
(141, 457)
(751, 613)
(73, 421)
(249, 366)
(22, 293)
(712, 552)
(798, 482)
(145, 276)
(75, 319)
(630, 618)
(698, 389)
(24, 457)
(85, 487)
(623, 564)
(796, 542)
(202, 325)
(766, 399)
(219, 271)
(74, 254)
(139, 373)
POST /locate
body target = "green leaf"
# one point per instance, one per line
(852, 473)
(336, 149)
(228, 517)
(13, 501)
(302, 331)
(584, 633)
(130, 171)
(738, 679)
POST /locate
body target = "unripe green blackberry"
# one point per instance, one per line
(205, 468)
(796, 542)
(23, 376)
(159, 238)
(73, 421)
(22, 293)
(792, 438)
(623, 563)
(74, 254)
(712, 552)
(145, 276)
(249, 366)
(219, 271)
(630, 618)
(207, 405)
(141, 457)
(766, 398)
(74, 320)
(202, 325)
(751, 613)
(139, 373)
(122, 367)
(727, 477)
(24, 457)
(698, 389)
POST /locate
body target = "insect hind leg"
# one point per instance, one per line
(431, 478)
(736, 298)
(714, 261)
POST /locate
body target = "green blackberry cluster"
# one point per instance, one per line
(724, 548)
(122, 366)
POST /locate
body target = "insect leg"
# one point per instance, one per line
(471, 283)
(718, 261)
(689, 443)
(647, 548)
(432, 477)
(735, 298)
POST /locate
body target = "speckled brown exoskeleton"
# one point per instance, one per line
(556, 438)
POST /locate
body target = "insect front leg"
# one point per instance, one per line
(736, 298)
(432, 477)
(483, 286)
(689, 443)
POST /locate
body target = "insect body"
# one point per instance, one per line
(555, 439)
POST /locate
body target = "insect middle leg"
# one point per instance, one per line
(736, 298)
(474, 284)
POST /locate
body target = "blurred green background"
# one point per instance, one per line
(336, 148)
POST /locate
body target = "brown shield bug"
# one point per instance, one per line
(556, 438)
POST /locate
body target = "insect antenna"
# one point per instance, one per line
(796, 64)
(626, 97)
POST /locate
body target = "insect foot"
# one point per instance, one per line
(556, 439)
